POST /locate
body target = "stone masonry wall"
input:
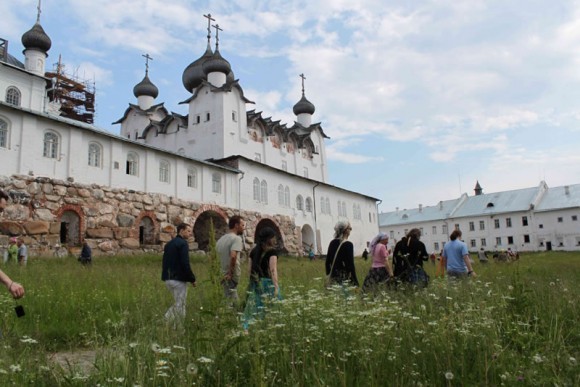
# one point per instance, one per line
(113, 221)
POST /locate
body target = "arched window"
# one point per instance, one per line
(3, 134)
(256, 189)
(281, 195)
(328, 206)
(308, 205)
(299, 203)
(164, 171)
(192, 177)
(339, 208)
(216, 183)
(13, 96)
(344, 209)
(322, 205)
(94, 154)
(132, 167)
(287, 196)
(50, 145)
(264, 192)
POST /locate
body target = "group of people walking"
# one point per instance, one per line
(407, 263)
(263, 270)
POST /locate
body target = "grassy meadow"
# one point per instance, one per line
(516, 324)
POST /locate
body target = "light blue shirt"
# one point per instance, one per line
(454, 251)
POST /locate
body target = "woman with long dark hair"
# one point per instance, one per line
(263, 275)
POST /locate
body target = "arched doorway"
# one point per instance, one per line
(70, 229)
(146, 231)
(270, 223)
(202, 226)
(307, 238)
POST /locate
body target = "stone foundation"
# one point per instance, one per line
(54, 217)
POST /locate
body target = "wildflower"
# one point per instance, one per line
(28, 340)
(510, 287)
(161, 363)
(205, 360)
(15, 368)
(538, 358)
(3, 371)
(552, 284)
(155, 347)
(119, 380)
(133, 345)
(178, 347)
(572, 360)
(191, 369)
(449, 375)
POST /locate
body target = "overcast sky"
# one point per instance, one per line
(420, 98)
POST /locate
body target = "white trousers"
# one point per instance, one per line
(179, 291)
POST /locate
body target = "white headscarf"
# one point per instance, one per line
(340, 228)
(381, 236)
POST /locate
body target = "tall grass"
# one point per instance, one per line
(515, 324)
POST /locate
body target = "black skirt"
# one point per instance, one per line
(377, 277)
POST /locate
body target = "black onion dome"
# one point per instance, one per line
(193, 74)
(217, 64)
(303, 106)
(146, 87)
(36, 38)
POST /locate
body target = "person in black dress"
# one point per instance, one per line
(340, 256)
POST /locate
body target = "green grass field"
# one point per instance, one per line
(516, 324)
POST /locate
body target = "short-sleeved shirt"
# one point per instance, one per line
(380, 255)
(23, 252)
(454, 251)
(225, 245)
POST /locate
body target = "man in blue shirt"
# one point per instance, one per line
(177, 272)
(457, 257)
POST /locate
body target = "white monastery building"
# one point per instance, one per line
(70, 181)
(529, 219)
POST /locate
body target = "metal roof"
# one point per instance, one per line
(424, 214)
(567, 196)
(498, 202)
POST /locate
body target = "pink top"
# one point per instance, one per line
(380, 256)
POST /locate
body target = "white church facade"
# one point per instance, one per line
(215, 160)
(530, 219)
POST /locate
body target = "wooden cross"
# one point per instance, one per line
(39, 11)
(147, 59)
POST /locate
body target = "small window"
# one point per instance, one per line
(197, 119)
(94, 155)
(471, 226)
(472, 242)
(256, 185)
(50, 145)
(299, 203)
(524, 220)
(13, 96)
(490, 205)
(526, 238)
(207, 116)
(443, 229)
(560, 219)
(392, 234)
(434, 231)
(287, 196)
(216, 183)
(192, 177)
(116, 165)
(234, 116)
(540, 226)
(482, 225)
(508, 222)
(308, 205)
(498, 241)
(510, 240)
(281, 195)
(132, 166)
(164, 171)
(483, 242)
(496, 223)
(3, 134)
(264, 192)
(405, 217)
(436, 246)
(574, 218)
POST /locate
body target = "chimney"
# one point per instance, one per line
(441, 204)
(567, 190)
(397, 210)
(420, 208)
